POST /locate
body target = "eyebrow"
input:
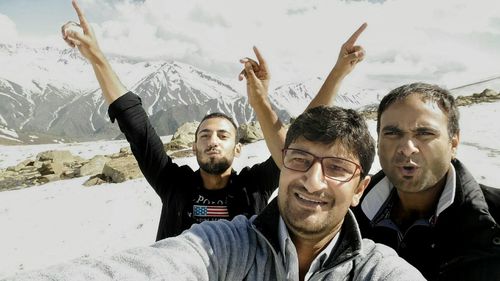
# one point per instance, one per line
(393, 128)
(209, 131)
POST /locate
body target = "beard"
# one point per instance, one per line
(214, 166)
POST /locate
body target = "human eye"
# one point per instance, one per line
(425, 133)
(339, 168)
(300, 159)
(392, 132)
(297, 159)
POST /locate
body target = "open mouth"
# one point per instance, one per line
(408, 170)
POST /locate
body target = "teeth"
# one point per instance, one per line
(303, 198)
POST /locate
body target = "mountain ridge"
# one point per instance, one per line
(52, 95)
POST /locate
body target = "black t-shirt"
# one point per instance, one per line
(207, 205)
(179, 187)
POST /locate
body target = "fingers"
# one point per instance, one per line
(356, 56)
(253, 64)
(260, 58)
(65, 29)
(83, 21)
(352, 40)
(250, 74)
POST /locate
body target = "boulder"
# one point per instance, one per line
(94, 180)
(122, 169)
(94, 166)
(63, 156)
(48, 178)
(250, 132)
(183, 137)
(49, 168)
(489, 93)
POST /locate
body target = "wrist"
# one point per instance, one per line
(259, 101)
(98, 59)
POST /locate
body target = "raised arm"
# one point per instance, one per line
(86, 43)
(349, 56)
(133, 121)
(257, 76)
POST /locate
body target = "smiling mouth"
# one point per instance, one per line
(308, 201)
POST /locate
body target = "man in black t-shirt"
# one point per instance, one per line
(215, 191)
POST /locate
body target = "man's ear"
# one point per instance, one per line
(455, 140)
(237, 150)
(359, 191)
(194, 148)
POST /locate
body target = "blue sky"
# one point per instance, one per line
(447, 42)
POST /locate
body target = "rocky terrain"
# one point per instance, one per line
(56, 165)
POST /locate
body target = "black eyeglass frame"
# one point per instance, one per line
(320, 160)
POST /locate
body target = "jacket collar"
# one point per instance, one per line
(348, 245)
(468, 197)
(376, 197)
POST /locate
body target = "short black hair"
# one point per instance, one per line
(440, 96)
(217, 115)
(331, 124)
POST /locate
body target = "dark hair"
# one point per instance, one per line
(330, 124)
(217, 115)
(442, 97)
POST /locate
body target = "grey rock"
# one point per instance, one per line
(184, 137)
(94, 166)
(250, 132)
(63, 156)
(122, 169)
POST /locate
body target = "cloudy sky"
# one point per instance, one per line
(448, 42)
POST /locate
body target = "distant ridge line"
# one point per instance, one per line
(475, 83)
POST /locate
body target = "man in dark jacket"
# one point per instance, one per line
(424, 203)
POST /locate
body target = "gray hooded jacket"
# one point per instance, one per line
(243, 249)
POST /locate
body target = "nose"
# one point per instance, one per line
(408, 147)
(314, 178)
(213, 140)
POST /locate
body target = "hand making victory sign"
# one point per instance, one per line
(258, 77)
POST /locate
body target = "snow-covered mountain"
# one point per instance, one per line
(49, 94)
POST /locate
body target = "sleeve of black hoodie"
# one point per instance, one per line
(145, 144)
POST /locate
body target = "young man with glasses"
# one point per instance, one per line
(307, 233)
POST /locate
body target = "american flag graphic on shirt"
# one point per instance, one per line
(210, 211)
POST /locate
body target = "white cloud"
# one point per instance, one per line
(8, 31)
(445, 42)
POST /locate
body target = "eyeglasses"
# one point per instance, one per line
(336, 168)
